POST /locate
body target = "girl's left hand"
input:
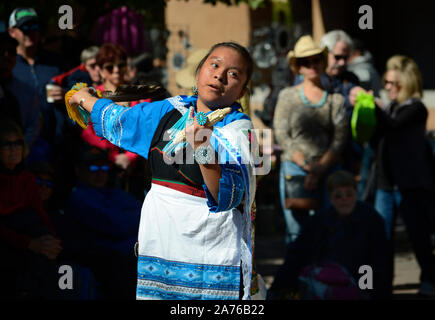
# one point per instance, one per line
(82, 93)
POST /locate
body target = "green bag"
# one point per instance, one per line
(363, 122)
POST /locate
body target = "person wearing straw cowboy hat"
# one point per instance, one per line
(311, 126)
(185, 78)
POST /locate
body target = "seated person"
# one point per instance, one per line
(102, 226)
(350, 234)
(45, 177)
(29, 246)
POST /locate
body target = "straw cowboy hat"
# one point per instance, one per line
(186, 77)
(305, 47)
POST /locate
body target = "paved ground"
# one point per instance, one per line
(270, 251)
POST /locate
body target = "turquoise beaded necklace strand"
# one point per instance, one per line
(305, 100)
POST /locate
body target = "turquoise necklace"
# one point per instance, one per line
(308, 103)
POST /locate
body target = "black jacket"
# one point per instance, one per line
(403, 155)
(354, 241)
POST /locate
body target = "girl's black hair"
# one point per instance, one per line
(240, 49)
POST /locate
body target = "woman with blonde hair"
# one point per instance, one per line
(406, 71)
(404, 163)
(311, 126)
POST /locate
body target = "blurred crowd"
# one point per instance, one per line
(350, 164)
(69, 197)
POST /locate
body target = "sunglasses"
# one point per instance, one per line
(95, 168)
(339, 57)
(48, 183)
(29, 27)
(306, 62)
(12, 144)
(92, 65)
(393, 83)
(110, 66)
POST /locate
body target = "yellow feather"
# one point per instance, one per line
(73, 112)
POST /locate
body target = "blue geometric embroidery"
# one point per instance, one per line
(165, 279)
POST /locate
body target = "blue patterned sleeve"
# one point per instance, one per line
(129, 128)
(231, 183)
(231, 189)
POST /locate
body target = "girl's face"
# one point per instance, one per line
(221, 79)
(11, 150)
(392, 84)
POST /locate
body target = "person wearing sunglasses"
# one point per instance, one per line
(111, 62)
(310, 125)
(104, 221)
(29, 245)
(349, 234)
(95, 172)
(34, 68)
(337, 78)
(87, 72)
(405, 171)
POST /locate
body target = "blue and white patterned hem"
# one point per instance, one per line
(164, 279)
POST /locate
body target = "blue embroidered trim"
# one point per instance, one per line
(111, 120)
(232, 192)
(167, 279)
(189, 274)
(120, 125)
(158, 290)
(179, 103)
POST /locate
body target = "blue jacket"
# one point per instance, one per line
(108, 216)
(28, 86)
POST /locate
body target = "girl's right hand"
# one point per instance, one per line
(196, 134)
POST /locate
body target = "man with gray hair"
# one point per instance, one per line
(87, 72)
(337, 77)
(339, 46)
(88, 58)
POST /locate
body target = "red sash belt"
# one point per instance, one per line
(181, 187)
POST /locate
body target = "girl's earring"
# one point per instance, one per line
(195, 90)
